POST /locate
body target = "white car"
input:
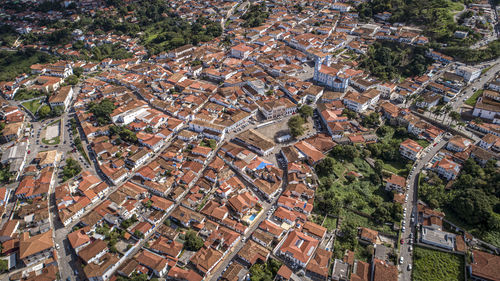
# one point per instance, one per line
(401, 260)
(403, 229)
(409, 267)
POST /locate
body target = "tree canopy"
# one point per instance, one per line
(295, 125)
(193, 241)
(388, 60)
(102, 111)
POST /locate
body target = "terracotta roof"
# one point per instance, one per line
(382, 271)
(285, 272)
(319, 263)
(35, 244)
(299, 245)
(78, 238)
(485, 265)
(89, 252)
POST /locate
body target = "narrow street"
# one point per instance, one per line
(411, 207)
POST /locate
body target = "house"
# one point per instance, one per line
(102, 269)
(314, 230)
(458, 144)
(484, 266)
(93, 252)
(242, 203)
(186, 216)
(138, 158)
(318, 266)
(368, 235)
(156, 263)
(241, 51)
(252, 252)
(35, 249)
(437, 238)
(298, 248)
(206, 259)
(382, 271)
(177, 273)
(469, 73)
(446, 168)
(284, 273)
(410, 149)
(78, 240)
(255, 142)
(360, 271)
(360, 102)
(62, 98)
(12, 131)
(272, 109)
(488, 106)
(395, 182)
(340, 270)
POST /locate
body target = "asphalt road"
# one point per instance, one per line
(411, 207)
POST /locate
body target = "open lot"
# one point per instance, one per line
(52, 133)
(430, 265)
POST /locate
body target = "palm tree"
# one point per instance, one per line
(455, 116)
(446, 110)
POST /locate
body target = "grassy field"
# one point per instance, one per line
(365, 222)
(430, 265)
(330, 223)
(423, 143)
(52, 141)
(472, 100)
(32, 106)
(398, 168)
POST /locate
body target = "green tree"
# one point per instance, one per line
(193, 241)
(472, 205)
(138, 234)
(306, 111)
(326, 167)
(455, 116)
(72, 80)
(44, 111)
(4, 265)
(102, 111)
(295, 125)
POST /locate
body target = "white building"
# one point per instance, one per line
(62, 98)
(328, 76)
(469, 73)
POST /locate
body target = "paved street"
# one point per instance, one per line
(411, 207)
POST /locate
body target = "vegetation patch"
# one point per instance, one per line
(265, 271)
(388, 60)
(32, 106)
(12, 64)
(436, 16)
(431, 265)
(473, 99)
(79, 146)
(490, 52)
(71, 169)
(52, 141)
(330, 223)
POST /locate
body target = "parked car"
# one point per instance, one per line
(401, 260)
